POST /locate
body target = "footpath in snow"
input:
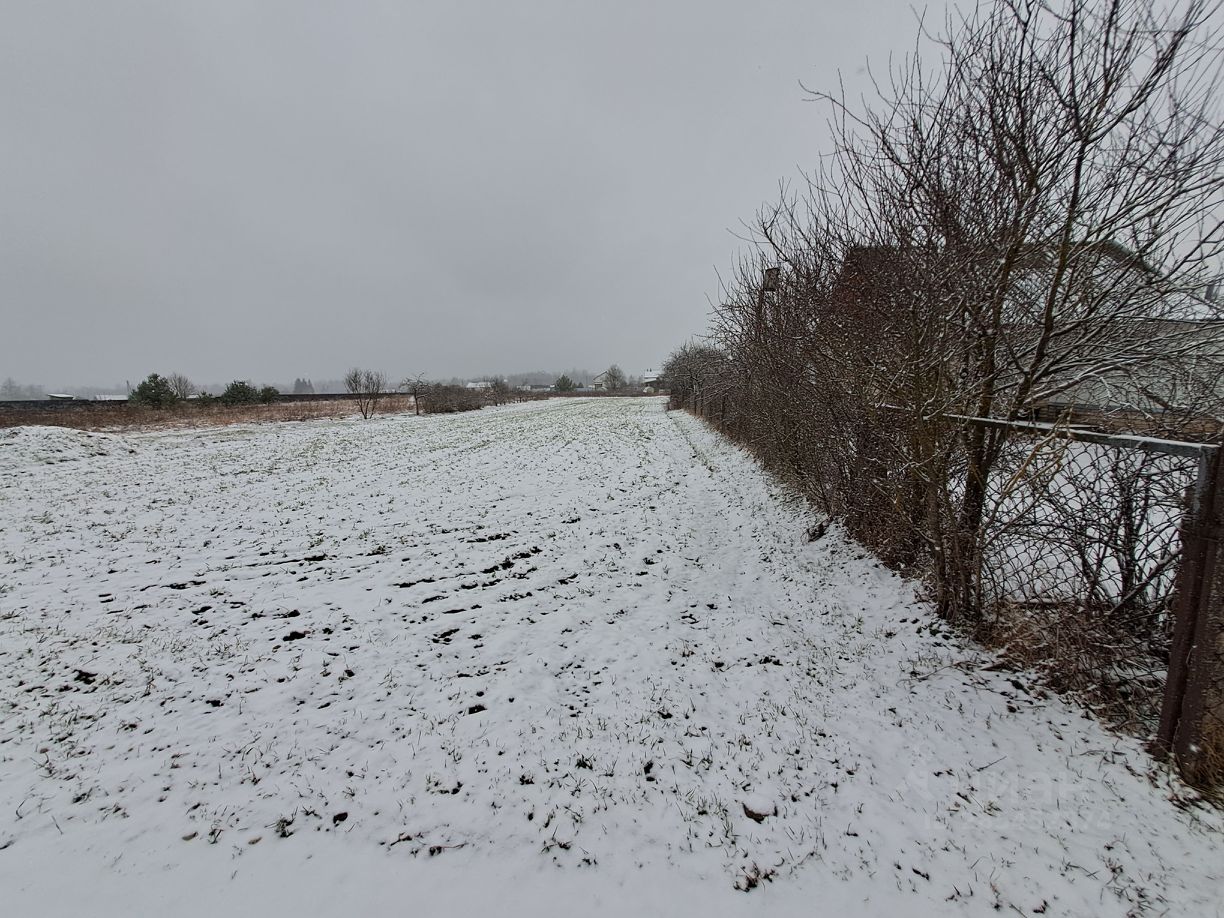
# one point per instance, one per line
(565, 658)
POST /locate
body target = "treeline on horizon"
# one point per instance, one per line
(14, 390)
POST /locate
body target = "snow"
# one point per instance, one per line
(568, 657)
(25, 446)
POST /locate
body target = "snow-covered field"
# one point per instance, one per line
(564, 658)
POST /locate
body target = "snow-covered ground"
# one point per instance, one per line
(566, 658)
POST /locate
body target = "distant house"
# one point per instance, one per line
(1184, 378)
(479, 384)
(600, 382)
(1130, 344)
(60, 396)
(1139, 347)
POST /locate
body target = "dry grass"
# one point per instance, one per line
(1120, 675)
(1084, 653)
(124, 416)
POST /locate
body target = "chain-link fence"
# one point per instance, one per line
(1098, 567)
(1079, 567)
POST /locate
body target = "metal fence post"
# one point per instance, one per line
(1194, 659)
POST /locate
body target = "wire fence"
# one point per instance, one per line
(1079, 567)
(1098, 567)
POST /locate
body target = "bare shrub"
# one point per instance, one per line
(438, 398)
(366, 387)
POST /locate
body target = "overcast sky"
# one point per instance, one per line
(268, 190)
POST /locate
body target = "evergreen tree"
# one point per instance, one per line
(155, 392)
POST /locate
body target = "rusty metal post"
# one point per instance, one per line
(1192, 656)
(1195, 749)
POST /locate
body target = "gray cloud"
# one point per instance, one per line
(275, 189)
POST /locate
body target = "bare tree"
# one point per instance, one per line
(500, 391)
(366, 387)
(416, 387)
(181, 386)
(614, 378)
